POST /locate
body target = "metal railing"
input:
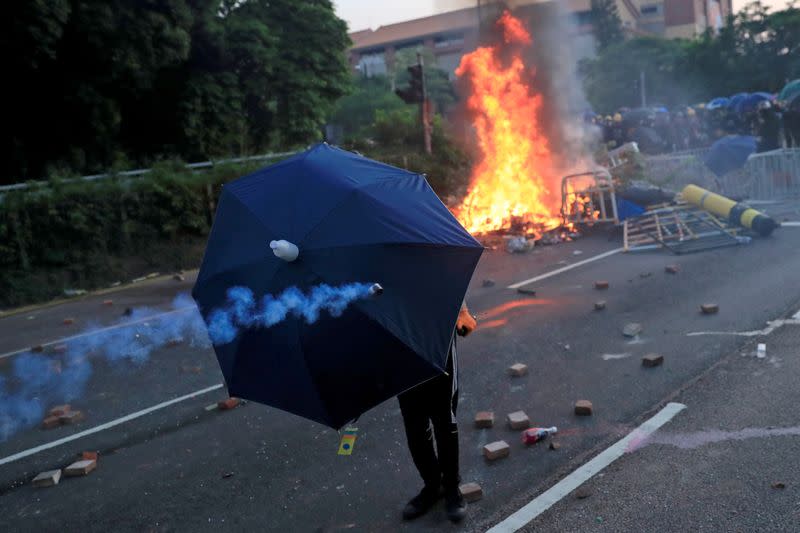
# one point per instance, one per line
(765, 176)
(204, 165)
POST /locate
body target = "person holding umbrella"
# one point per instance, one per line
(432, 405)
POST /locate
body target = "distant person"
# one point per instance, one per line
(768, 128)
(430, 409)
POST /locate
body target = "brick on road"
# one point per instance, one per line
(471, 492)
(68, 321)
(652, 359)
(632, 330)
(519, 420)
(80, 468)
(672, 269)
(583, 408)
(518, 370)
(484, 419)
(89, 456)
(600, 305)
(51, 422)
(59, 410)
(496, 450)
(709, 309)
(72, 417)
(229, 403)
(47, 479)
(601, 285)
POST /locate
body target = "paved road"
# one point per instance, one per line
(182, 468)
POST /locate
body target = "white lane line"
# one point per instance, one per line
(790, 224)
(566, 268)
(101, 330)
(772, 325)
(551, 496)
(107, 425)
(615, 356)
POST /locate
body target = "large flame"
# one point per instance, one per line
(513, 183)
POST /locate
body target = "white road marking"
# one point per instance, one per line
(790, 224)
(772, 325)
(614, 356)
(107, 425)
(102, 330)
(550, 497)
(566, 268)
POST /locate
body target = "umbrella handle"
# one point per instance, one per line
(285, 250)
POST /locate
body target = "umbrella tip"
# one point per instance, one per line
(376, 289)
(284, 250)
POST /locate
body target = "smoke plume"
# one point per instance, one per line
(38, 381)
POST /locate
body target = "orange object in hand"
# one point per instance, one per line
(466, 323)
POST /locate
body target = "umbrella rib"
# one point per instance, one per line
(311, 375)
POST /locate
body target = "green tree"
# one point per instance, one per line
(606, 23)
(357, 111)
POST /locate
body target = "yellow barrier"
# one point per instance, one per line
(736, 213)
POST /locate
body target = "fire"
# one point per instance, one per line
(513, 184)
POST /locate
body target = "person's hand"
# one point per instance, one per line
(466, 323)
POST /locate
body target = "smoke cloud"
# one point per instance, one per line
(243, 312)
(38, 381)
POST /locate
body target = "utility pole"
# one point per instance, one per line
(642, 88)
(426, 107)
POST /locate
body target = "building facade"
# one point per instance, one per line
(448, 36)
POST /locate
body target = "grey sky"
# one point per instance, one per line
(362, 14)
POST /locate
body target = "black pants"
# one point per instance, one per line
(434, 403)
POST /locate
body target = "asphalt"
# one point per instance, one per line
(183, 468)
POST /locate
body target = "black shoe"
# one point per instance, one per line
(421, 503)
(455, 505)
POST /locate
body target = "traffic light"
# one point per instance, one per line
(414, 93)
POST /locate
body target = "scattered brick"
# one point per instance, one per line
(709, 309)
(68, 321)
(72, 417)
(230, 403)
(672, 269)
(488, 283)
(779, 485)
(80, 468)
(600, 305)
(178, 277)
(51, 422)
(527, 292)
(518, 370)
(108, 302)
(632, 330)
(177, 341)
(496, 450)
(582, 493)
(47, 479)
(38, 348)
(554, 445)
(471, 492)
(583, 408)
(652, 359)
(518, 420)
(484, 419)
(601, 285)
(127, 312)
(59, 410)
(89, 456)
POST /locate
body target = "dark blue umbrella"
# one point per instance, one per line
(736, 99)
(751, 101)
(729, 153)
(717, 103)
(353, 220)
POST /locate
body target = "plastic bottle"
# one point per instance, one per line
(534, 435)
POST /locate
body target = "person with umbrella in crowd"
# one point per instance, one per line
(767, 127)
(430, 409)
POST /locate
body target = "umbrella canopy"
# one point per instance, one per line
(789, 91)
(718, 103)
(352, 220)
(730, 153)
(736, 99)
(751, 101)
